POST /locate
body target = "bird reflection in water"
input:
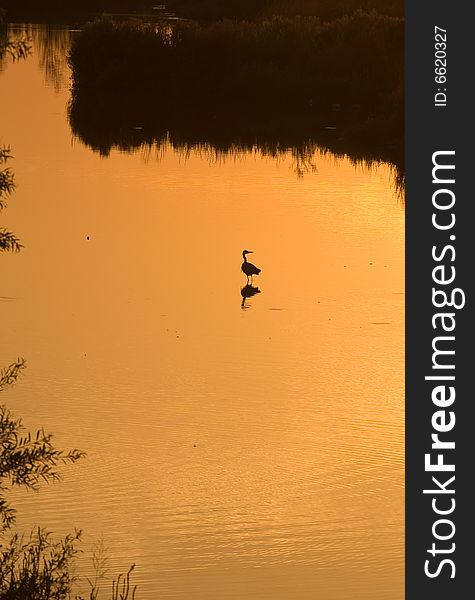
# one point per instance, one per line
(247, 292)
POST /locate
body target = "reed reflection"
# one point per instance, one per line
(104, 126)
(51, 46)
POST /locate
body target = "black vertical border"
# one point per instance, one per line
(429, 129)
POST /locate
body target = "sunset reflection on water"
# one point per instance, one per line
(231, 453)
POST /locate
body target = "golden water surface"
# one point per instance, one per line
(235, 450)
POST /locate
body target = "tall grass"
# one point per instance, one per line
(256, 9)
(301, 66)
(279, 84)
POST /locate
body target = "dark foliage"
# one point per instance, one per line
(257, 9)
(278, 84)
(8, 240)
(205, 10)
(69, 11)
(298, 63)
(37, 568)
(25, 459)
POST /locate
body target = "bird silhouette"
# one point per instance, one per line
(248, 268)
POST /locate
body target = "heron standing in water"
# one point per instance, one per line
(248, 268)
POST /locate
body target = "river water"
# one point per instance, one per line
(237, 448)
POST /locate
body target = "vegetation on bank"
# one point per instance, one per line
(8, 240)
(278, 83)
(204, 10)
(210, 10)
(298, 65)
(15, 49)
(37, 566)
(67, 11)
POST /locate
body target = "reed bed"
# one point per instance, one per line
(277, 83)
(293, 66)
